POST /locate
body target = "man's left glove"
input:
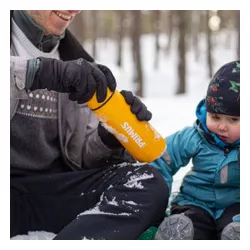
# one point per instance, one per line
(80, 78)
(137, 107)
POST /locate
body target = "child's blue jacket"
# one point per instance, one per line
(213, 183)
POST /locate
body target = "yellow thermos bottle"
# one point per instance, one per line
(138, 137)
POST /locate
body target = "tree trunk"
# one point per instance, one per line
(94, 31)
(156, 27)
(181, 15)
(137, 50)
(169, 31)
(209, 47)
(196, 29)
(238, 31)
(120, 34)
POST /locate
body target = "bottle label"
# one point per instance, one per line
(130, 131)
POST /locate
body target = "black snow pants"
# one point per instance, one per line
(205, 226)
(114, 203)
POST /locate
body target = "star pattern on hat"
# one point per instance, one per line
(234, 86)
(216, 103)
(237, 66)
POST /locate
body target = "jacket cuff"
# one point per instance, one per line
(18, 69)
(32, 67)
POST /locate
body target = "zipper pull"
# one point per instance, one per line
(226, 151)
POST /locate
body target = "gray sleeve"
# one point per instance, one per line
(95, 152)
(18, 68)
(22, 73)
(80, 141)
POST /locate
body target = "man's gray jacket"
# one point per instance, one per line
(80, 143)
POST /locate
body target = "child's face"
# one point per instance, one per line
(226, 127)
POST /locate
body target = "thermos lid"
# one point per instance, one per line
(94, 104)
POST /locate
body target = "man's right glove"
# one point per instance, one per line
(79, 78)
(137, 107)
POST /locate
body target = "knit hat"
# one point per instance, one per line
(223, 94)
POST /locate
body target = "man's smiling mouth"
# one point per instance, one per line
(63, 16)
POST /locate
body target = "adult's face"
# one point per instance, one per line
(54, 22)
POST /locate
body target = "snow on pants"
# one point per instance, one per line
(115, 203)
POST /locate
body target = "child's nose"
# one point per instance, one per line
(222, 126)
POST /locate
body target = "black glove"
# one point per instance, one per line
(79, 78)
(137, 107)
(107, 138)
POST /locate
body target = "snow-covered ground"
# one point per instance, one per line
(170, 112)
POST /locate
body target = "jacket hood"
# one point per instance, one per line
(201, 127)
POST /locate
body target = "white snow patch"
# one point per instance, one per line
(119, 136)
(96, 210)
(133, 181)
(128, 173)
(136, 164)
(130, 202)
(113, 202)
(85, 238)
(123, 164)
(140, 177)
(134, 184)
(137, 169)
(139, 164)
(36, 235)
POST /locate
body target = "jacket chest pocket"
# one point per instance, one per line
(229, 176)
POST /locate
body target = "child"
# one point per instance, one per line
(209, 196)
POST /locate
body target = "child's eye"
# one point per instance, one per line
(215, 117)
(234, 119)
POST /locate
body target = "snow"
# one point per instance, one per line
(131, 202)
(37, 235)
(170, 112)
(113, 202)
(121, 137)
(96, 209)
(133, 180)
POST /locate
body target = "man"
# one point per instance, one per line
(51, 135)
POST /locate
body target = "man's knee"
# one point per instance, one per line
(156, 184)
(162, 187)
